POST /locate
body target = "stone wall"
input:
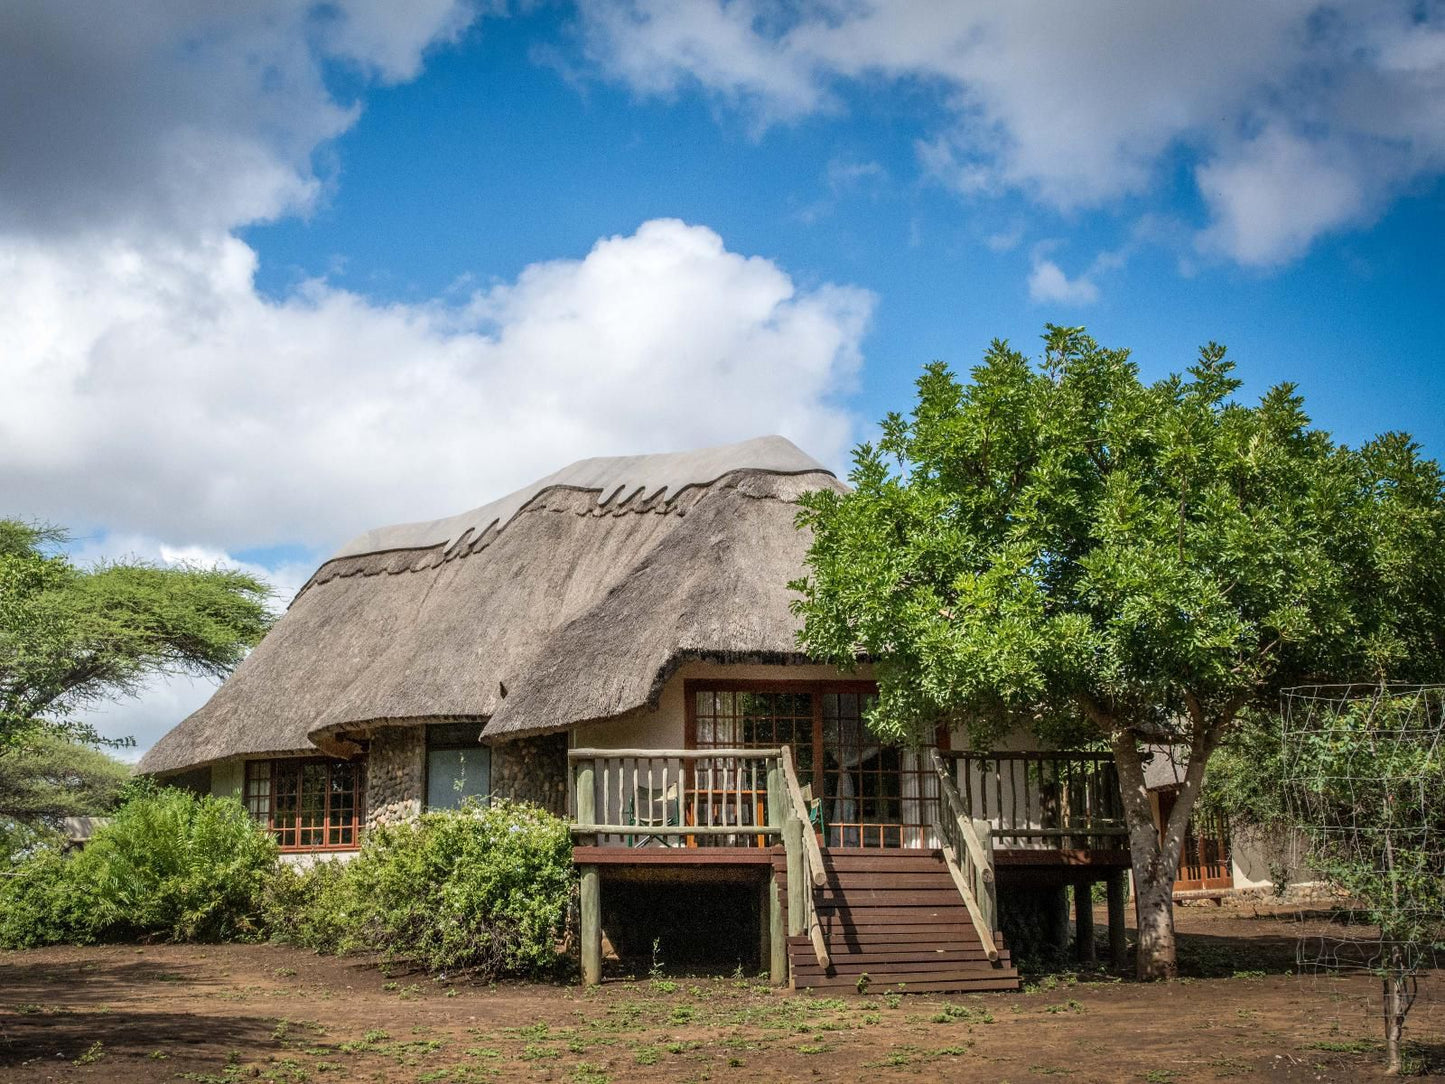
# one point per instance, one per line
(532, 770)
(395, 774)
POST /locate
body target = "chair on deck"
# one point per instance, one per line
(656, 807)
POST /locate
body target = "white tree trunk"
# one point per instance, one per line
(1156, 864)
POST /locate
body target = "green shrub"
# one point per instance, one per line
(484, 890)
(168, 864)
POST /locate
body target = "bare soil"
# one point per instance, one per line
(232, 1013)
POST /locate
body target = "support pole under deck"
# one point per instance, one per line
(1117, 944)
(1084, 921)
(591, 926)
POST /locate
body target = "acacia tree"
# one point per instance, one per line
(71, 636)
(1065, 545)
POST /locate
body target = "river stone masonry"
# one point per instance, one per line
(395, 775)
(532, 770)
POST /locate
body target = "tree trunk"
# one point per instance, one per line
(1394, 1021)
(1155, 861)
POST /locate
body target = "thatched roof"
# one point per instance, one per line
(572, 600)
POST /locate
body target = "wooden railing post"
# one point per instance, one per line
(798, 887)
(591, 880)
(970, 866)
(586, 791)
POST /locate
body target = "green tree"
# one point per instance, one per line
(47, 779)
(1363, 776)
(70, 636)
(1063, 545)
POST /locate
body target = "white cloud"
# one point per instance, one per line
(152, 389)
(1078, 105)
(1049, 284)
(180, 116)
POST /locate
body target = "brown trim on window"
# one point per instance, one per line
(282, 794)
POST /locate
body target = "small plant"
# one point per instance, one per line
(93, 1054)
(862, 983)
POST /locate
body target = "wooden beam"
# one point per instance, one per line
(671, 754)
(672, 856)
(584, 828)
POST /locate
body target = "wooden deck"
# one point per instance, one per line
(919, 918)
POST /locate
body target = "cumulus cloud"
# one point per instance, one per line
(1078, 105)
(153, 389)
(172, 115)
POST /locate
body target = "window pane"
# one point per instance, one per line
(455, 774)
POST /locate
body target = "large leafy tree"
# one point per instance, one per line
(72, 636)
(1062, 544)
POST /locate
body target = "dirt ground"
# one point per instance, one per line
(235, 1013)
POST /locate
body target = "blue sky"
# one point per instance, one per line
(277, 275)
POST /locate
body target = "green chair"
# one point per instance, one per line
(656, 807)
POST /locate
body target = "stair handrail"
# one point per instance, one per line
(811, 857)
(969, 862)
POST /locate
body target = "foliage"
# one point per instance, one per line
(1065, 545)
(168, 864)
(71, 636)
(480, 889)
(1363, 778)
(48, 778)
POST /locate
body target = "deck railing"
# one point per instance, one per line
(967, 851)
(1056, 800)
(673, 797)
(805, 863)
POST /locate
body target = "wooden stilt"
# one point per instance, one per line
(778, 958)
(1084, 921)
(1117, 946)
(591, 926)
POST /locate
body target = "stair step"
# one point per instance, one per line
(897, 917)
(862, 961)
(1005, 980)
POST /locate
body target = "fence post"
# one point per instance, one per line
(988, 897)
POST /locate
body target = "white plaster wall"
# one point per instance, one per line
(665, 728)
(1252, 854)
(228, 779)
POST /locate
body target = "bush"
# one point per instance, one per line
(484, 890)
(169, 865)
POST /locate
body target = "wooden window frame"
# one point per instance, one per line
(277, 768)
(692, 686)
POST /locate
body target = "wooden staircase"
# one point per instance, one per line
(898, 917)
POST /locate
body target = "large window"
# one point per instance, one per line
(868, 793)
(458, 765)
(310, 805)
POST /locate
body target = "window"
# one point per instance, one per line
(458, 765)
(310, 805)
(868, 793)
